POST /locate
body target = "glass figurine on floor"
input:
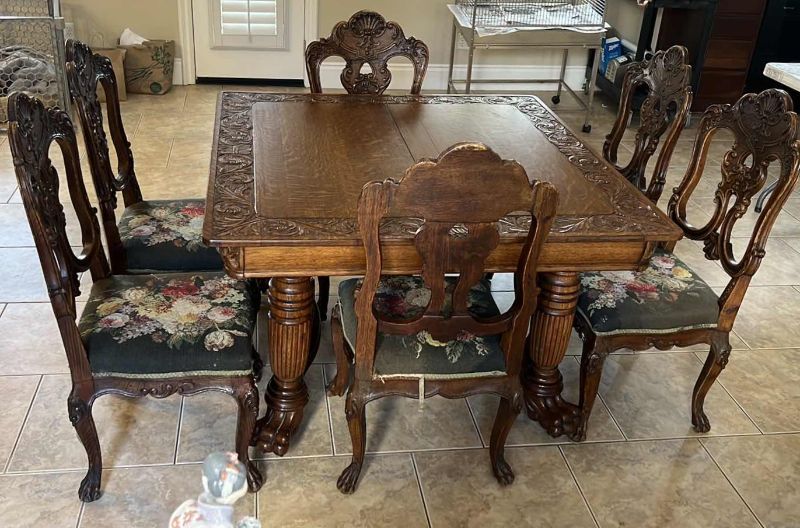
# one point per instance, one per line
(225, 482)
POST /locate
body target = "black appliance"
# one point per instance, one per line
(778, 41)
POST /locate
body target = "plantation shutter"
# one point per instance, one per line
(249, 18)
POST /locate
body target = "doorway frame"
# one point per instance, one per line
(186, 36)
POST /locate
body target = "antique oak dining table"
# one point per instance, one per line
(286, 173)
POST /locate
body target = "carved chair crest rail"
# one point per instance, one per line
(367, 39)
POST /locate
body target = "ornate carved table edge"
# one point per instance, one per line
(231, 218)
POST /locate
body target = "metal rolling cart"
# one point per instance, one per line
(32, 53)
(511, 24)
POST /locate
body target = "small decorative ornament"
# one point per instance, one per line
(225, 482)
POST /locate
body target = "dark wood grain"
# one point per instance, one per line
(606, 205)
(86, 71)
(667, 81)
(468, 188)
(729, 52)
(765, 131)
(306, 153)
(272, 226)
(32, 130)
(366, 39)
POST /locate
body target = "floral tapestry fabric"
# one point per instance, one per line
(666, 296)
(170, 323)
(166, 235)
(406, 297)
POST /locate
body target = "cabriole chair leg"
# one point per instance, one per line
(80, 414)
(246, 395)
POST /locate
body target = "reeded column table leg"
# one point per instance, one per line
(292, 323)
(551, 327)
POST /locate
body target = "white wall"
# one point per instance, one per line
(100, 22)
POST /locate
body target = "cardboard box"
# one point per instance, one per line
(612, 48)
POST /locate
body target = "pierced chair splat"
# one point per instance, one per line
(151, 236)
(669, 305)
(439, 334)
(666, 80)
(139, 335)
(367, 38)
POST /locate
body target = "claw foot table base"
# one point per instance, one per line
(286, 174)
(293, 329)
(551, 328)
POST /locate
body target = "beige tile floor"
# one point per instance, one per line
(641, 466)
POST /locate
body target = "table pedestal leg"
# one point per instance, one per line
(550, 332)
(291, 325)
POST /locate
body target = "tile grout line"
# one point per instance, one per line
(22, 426)
(608, 409)
(169, 154)
(475, 423)
(328, 408)
(80, 514)
(421, 492)
(613, 418)
(578, 485)
(735, 489)
(178, 431)
(739, 405)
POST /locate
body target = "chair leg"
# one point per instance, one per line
(246, 394)
(717, 359)
(592, 360)
(80, 414)
(258, 365)
(324, 296)
(344, 359)
(507, 413)
(355, 408)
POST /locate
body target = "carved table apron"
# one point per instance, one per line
(286, 173)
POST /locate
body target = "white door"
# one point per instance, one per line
(249, 39)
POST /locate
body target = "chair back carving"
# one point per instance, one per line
(765, 131)
(32, 130)
(461, 196)
(367, 38)
(667, 79)
(85, 72)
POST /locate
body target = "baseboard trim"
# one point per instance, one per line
(177, 72)
(436, 76)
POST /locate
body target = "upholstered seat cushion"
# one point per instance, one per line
(166, 235)
(420, 355)
(664, 298)
(167, 325)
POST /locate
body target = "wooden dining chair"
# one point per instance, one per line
(668, 304)
(419, 336)
(666, 80)
(139, 335)
(367, 39)
(152, 236)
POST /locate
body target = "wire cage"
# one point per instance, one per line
(537, 13)
(32, 53)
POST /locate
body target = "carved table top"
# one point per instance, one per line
(287, 169)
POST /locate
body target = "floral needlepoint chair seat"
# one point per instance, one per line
(664, 298)
(405, 297)
(166, 235)
(169, 325)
